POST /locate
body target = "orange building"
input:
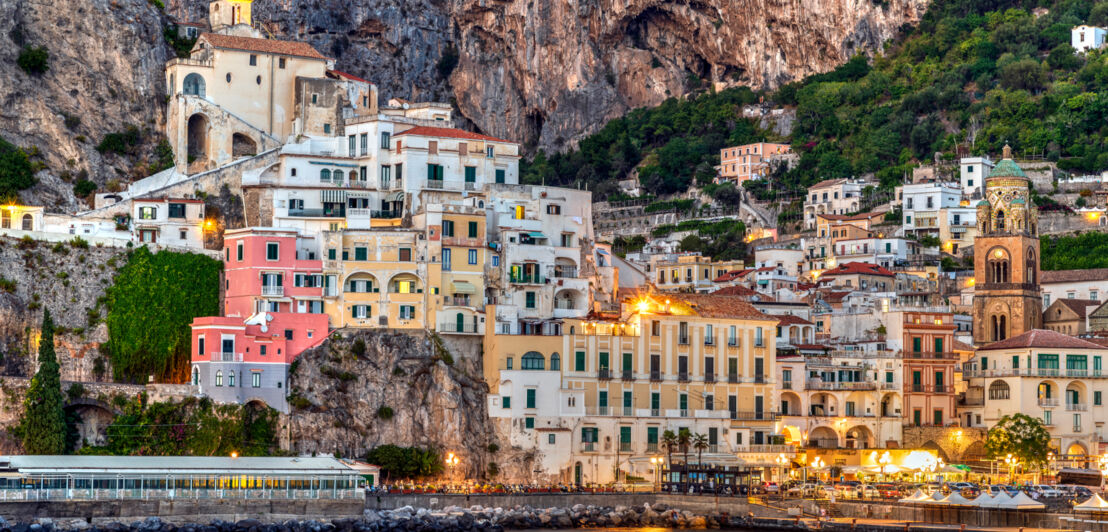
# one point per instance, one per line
(749, 161)
(929, 363)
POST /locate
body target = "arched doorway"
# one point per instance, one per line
(825, 437)
(860, 437)
(198, 138)
(28, 222)
(243, 146)
(194, 85)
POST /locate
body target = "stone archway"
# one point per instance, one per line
(198, 138)
(931, 445)
(243, 146)
(89, 420)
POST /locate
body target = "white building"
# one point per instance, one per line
(922, 203)
(1089, 284)
(174, 222)
(972, 173)
(1084, 38)
(832, 196)
(790, 259)
(886, 252)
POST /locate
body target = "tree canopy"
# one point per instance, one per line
(1020, 435)
(42, 429)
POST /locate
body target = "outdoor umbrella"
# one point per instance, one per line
(915, 497)
(1094, 504)
(1000, 498)
(1021, 502)
(982, 500)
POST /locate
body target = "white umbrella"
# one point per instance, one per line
(1022, 502)
(1094, 504)
(998, 499)
(937, 496)
(956, 499)
(915, 497)
(982, 500)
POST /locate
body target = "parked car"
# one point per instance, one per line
(771, 487)
(1047, 490)
(868, 491)
(888, 491)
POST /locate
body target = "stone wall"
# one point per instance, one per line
(1054, 223)
(955, 444)
(701, 504)
(183, 510)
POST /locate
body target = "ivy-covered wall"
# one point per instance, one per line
(154, 299)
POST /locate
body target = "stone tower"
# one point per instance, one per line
(226, 14)
(1007, 301)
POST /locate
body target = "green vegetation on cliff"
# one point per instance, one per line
(405, 462)
(193, 427)
(42, 429)
(978, 73)
(1077, 252)
(154, 299)
(16, 171)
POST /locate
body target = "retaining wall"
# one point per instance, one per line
(182, 511)
(701, 504)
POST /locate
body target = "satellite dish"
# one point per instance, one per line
(265, 328)
(268, 317)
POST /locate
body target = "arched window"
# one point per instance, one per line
(231, 378)
(1032, 270)
(325, 176)
(996, 267)
(556, 361)
(337, 176)
(999, 390)
(194, 85)
(195, 377)
(219, 378)
(28, 222)
(5, 219)
(1000, 220)
(999, 326)
(532, 360)
(1045, 391)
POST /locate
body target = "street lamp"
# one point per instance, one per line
(1012, 462)
(452, 462)
(657, 462)
(782, 462)
(884, 462)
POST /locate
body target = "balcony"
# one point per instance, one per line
(713, 447)
(656, 376)
(624, 446)
(682, 376)
(652, 447)
(226, 357)
(736, 415)
(604, 374)
(462, 242)
(458, 301)
(786, 385)
(317, 213)
(435, 184)
(767, 449)
(628, 411)
(275, 291)
(456, 328)
(759, 379)
(527, 279)
(627, 375)
(850, 386)
(565, 272)
(732, 342)
(709, 377)
(655, 412)
(683, 412)
(683, 339)
(1076, 407)
(1033, 372)
(598, 411)
(385, 214)
(732, 378)
(588, 447)
(470, 185)
(928, 355)
(564, 304)
(708, 340)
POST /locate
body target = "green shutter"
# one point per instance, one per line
(472, 229)
(602, 399)
(651, 434)
(500, 176)
(938, 345)
(530, 398)
(625, 434)
(579, 361)
(603, 360)
(917, 345)
(471, 174)
(506, 401)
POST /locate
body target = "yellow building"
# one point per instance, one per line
(456, 236)
(378, 278)
(691, 273)
(604, 393)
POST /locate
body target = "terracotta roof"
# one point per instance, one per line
(962, 346)
(843, 217)
(812, 347)
(854, 268)
(1072, 276)
(1078, 306)
(1041, 338)
(827, 183)
(728, 276)
(428, 131)
(342, 74)
(717, 306)
(800, 286)
(835, 297)
(1102, 342)
(736, 291)
(789, 319)
(265, 46)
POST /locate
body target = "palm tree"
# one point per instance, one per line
(684, 438)
(700, 443)
(669, 443)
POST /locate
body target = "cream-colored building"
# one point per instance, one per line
(832, 196)
(1045, 374)
(603, 394)
(691, 272)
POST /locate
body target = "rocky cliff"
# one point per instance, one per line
(543, 73)
(358, 390)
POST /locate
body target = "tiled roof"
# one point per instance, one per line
(1073, 276)
(428, 131)
(827, 183)
(835, 297)
(736, 291)
(1006, 168)
(342, 74)
(789, 319)
(1079, 306)
(265, 46)
(854, 268)
(961, 346)
(808, 347)
(1041, 338)
(717, 306)
(844, 217)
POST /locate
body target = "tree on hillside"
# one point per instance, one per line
(42, 428)
(1020, 435)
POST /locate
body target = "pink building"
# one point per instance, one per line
(749, 161)
(272, 312)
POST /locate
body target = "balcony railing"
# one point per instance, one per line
(732, 342)
(928, 354)
(655, 412)
(786, 385)
(708, 340)
(1077, 428)
(565, 272)
(766, 449)
(435, 183)
(588, 447)
(269, 290)
(682, 376)
(683, 412)
(751, 416)
(317, 213)
(709, 377)
(652, 447)
(459, 301)
(564, 304)
(456, 328)
(759, 379)
(1033, 372)
(732, 378)
(470, 185)
(1076, 407)
(628, 411)
(604, 374)
(627, 375)
(624, 446)
(820, 385)
(385, 214)
(597, 411)
(683, 339)
(527, 279)
(656, 376)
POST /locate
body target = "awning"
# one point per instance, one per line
(464, 287)
(536, 234)
(602, 252)
(395, 196)
(333, 196)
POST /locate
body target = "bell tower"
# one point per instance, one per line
(1007, 301)
(224, 14)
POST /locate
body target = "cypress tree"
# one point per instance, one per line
(43, 426)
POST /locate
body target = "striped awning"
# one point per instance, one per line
(333, 196)
(464, 287)
(395, 196)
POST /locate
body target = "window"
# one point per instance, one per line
(405, 254)
(176, 210)
(256, 380)
(1096, 399)
(938, 417)
(434, 172)
(148, 213)
(447, 228)
(553, 209)
(471, 174)
(550, 439)
(385, 140)
(361, 253)
(530, 300)
(238, 251)
(407, 312)
(473, 257)
(655, 328)
(506, 402)
(327, 129)
(555, 362)
(281, 62)
(446, 259)
(489, 152)
(499, 175)
(579, 361)
(533, 360)
(472, 229)
(253, 60)
(530, 398)
(219, 378)
(360, 312)
(528, 422)
(230, 378)
(351, 144)
(508, 363)
(272, 250)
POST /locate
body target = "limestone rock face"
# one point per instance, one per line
(543, 73)
(437, 400)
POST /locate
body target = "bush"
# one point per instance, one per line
(83, 188)
(120, 143)
(34, 60)
(16, 172)
(78, 243)
(358, 348)
(7, 285)
(385, 412)
(492, 448)
(75, 391)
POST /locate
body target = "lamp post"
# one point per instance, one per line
(1012, 462)
(657, 462)
(884, 462)
(452, 462)
(782, 462)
